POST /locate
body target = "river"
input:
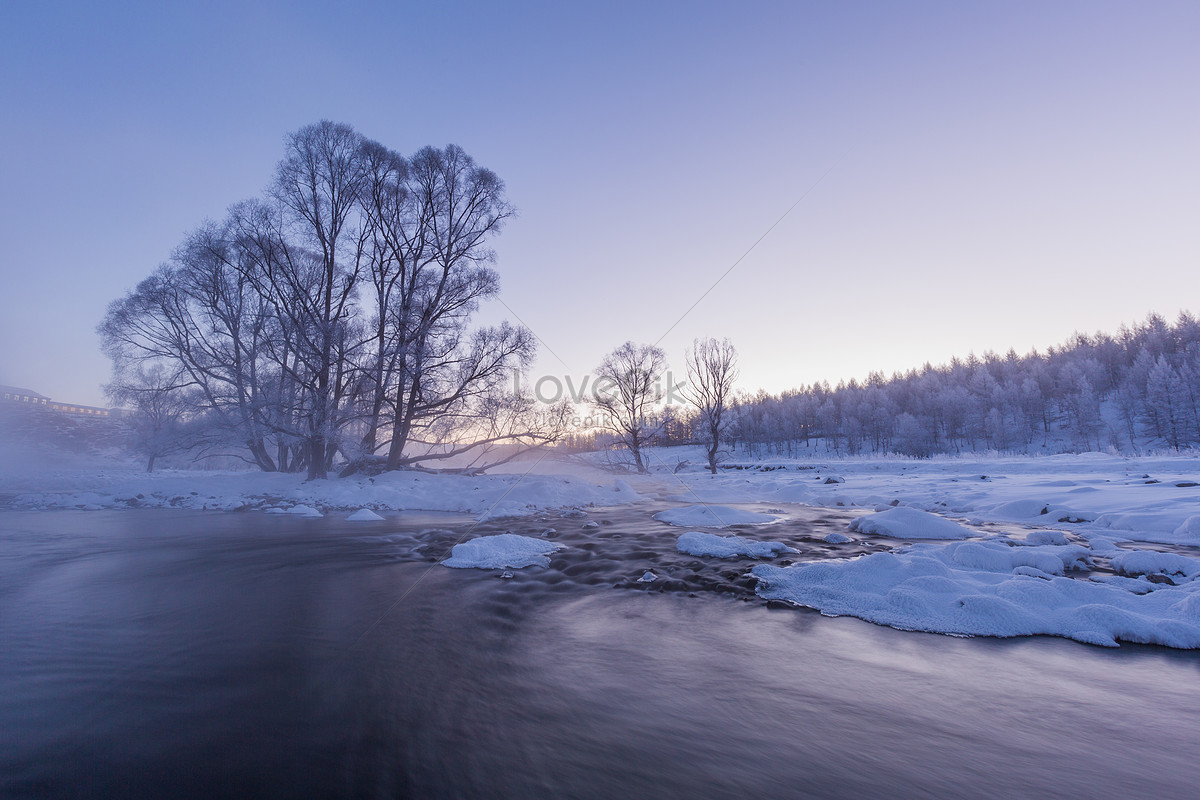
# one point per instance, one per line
(164, 653)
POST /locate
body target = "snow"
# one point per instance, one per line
(704, 516)
(364, 515)
(1044, 537)
(485, 496)
(837, 538)
(501, 550)
(909, 523)
(990, 589)
(697, 543)
(298, 510)
(1150, 562)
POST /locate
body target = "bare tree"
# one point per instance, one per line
(160, 407)
(319, 185)
(628, 388)
(712, 370)
(333, 317)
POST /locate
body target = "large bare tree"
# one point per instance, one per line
(333, 316)
(319, 185)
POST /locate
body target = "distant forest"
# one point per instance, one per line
(1136, 391)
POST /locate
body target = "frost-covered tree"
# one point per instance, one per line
(711, 372)
(629, 386)
(161, 421)
(332, 317)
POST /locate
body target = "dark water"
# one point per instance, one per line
(175, 654)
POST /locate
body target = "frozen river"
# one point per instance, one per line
(163, 653)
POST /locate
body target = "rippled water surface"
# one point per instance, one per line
(183, 654)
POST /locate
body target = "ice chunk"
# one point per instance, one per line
(697, 543)
(909, 523)
(364, 515)
(837, 538)
(501, 550)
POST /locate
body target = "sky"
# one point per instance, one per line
(932, 178)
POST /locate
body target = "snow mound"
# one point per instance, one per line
(1189, 531)
(298, 511)
(710, 544)
(1045, 537)
(501, 550)
(1151, 562)
(837, 538)
(909, 523)
(364, 515)
(991, 589)
(712, 517)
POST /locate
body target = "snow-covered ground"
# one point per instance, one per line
(1149, 499)
(1079, 551)
(512, 494)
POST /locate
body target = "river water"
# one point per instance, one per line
(159, 654)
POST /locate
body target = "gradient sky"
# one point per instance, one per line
(995, 174)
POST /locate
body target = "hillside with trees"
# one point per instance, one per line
(1132, 392)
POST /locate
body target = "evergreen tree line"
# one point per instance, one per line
(1131, 392)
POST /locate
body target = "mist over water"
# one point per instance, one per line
(185, 654)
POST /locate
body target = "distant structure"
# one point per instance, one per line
(15, 395)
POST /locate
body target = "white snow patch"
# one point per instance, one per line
(1189, 531)
(299, 511)
(697, 543)
(1151, 562)
(990, 589)
(364, 515)
(712, 517)
(909, 523)
(501, 550)
(1044, 537)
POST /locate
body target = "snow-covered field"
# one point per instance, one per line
(1094, 547)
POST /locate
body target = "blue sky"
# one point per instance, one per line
(995, 174)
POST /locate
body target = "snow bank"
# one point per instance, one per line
(710, 544)
(1151, 562)
(486, 495)
(991, 589)
(501, 550)
(1189, 532)
(712, 517)
(364, 515)
(910, 523)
